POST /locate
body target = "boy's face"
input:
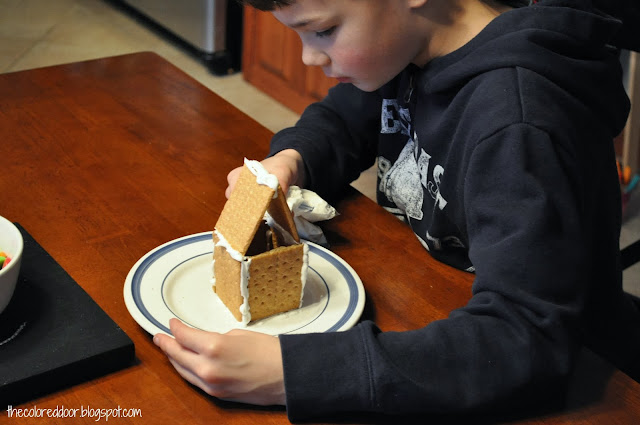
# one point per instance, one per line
(363, 42)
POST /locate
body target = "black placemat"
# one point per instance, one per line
(52, 334)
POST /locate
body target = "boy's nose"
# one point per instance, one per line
(314, 57)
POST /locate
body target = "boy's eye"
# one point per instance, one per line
(325, 33)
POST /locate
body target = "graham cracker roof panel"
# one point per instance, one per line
(279, 210)
(244, 210)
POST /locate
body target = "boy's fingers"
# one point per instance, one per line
(186, 362)
(192, 339)
(232, 178)
(174, 349)
(190, 376)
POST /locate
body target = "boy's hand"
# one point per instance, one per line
(240, 365)
(286, 165)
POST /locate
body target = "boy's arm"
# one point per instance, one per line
(336, 137)
(513, 344)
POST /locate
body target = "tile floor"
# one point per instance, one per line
(36, 33)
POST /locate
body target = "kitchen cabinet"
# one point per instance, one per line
(272, 62)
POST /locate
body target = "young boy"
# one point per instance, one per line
(492, 125)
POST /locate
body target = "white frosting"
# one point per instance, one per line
(262, 176)
(236, 255)
(245, 309)
(303, 275)
(288, 238)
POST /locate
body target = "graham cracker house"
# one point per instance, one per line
(260, 265)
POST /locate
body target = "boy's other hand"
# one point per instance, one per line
(286, 165)
(240, 365)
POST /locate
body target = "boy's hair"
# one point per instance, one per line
(266, 5)
(270, 5)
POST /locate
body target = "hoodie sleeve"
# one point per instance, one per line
(336, 137)
(513, 344)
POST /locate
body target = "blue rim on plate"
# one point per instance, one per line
(133, 286)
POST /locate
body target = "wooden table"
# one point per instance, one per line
(102, 161)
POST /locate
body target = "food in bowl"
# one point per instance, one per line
(12, 243)
(4, 260)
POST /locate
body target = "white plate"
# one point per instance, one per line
(173, 280)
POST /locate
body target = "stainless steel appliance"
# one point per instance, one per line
(211, 28)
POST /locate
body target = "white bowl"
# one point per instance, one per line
(10, 242)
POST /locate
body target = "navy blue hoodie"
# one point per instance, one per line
(500, 158)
